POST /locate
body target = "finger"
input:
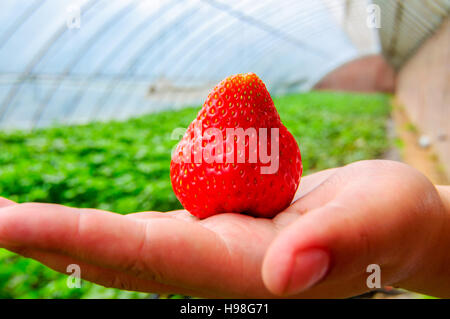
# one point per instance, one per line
(168, 251)
(5, 202)
(310, 182)
(178, 214)
(318, 189)
(64, 229)
(99, 275)
(334, 244)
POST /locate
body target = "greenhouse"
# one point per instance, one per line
(96, 94)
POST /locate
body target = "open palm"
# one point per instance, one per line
(229, 255)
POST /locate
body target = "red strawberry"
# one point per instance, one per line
(221, 163)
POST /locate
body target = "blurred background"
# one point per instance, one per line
(91, 92)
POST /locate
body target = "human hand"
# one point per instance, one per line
(367, 212)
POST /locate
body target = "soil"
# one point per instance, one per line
(422, 158)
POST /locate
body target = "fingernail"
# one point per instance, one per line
(309, 267)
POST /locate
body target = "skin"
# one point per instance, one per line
(341, 220)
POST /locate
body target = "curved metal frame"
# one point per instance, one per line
(130, 86)
(120, 14)
(35, 61)
(133, 61)
(195, 52)
(145, 48)
(213, 21)
(199, 49)
(19, 22)
(261, 25)
(73, 105)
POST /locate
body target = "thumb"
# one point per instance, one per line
(334, 244)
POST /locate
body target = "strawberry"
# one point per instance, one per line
(236, 156)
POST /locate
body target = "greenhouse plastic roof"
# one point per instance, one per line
(407, 24)
(66, 61)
